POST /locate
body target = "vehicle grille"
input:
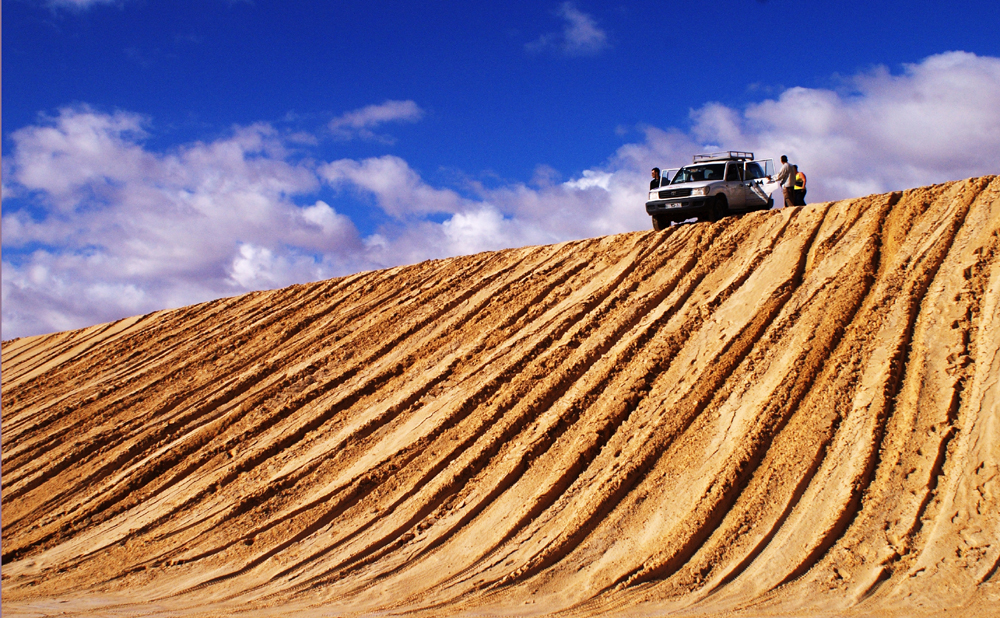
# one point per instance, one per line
(675, 193)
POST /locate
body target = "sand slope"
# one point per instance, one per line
(792, 411)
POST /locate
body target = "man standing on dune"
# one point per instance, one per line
(786, 177)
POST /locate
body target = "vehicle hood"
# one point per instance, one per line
(686, 185)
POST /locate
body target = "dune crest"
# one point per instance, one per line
(790, 412)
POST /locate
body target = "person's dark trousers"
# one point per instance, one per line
(800, 197)
(789, 194)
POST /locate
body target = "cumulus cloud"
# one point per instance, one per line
(69, 155)
(80, 4)
(935, 121)
(114, 229)
(360, 122)
(579, 36)
(397, 189)
(103, 227)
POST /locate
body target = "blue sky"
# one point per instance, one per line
(157, 153)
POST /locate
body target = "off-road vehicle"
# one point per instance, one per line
(713, 186)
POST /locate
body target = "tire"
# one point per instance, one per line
(718, 208)
(660, 222)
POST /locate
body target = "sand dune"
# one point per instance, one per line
(791, 412)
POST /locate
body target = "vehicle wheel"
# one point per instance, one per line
(718, 208)
(660, 222)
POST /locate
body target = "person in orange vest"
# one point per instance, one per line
(800, 187)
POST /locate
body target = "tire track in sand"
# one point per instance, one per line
(787, 412)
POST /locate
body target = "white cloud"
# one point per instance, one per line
(68, 155)
(397, 189)
(579, 36)
(80, 5)
(936, 121)
(255, 267)
(156, 229)
(360, 122)
(589, 179)
(122, 229)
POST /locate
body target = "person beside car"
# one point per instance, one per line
(786, 178)
(655, 182)
(800, 187)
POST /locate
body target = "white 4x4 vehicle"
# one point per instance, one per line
(715, 185)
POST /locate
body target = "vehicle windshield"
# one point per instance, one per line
(695, 173)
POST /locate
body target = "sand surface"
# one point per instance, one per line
(793, 412)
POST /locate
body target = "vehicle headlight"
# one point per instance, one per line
(700, 191)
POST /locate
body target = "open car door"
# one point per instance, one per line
(755, 173)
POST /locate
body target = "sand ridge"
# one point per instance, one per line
(792, 412)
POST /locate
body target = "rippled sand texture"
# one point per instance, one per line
(790, 412)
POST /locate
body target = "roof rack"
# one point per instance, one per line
(723, 156)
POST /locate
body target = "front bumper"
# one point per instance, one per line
(677, 205)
